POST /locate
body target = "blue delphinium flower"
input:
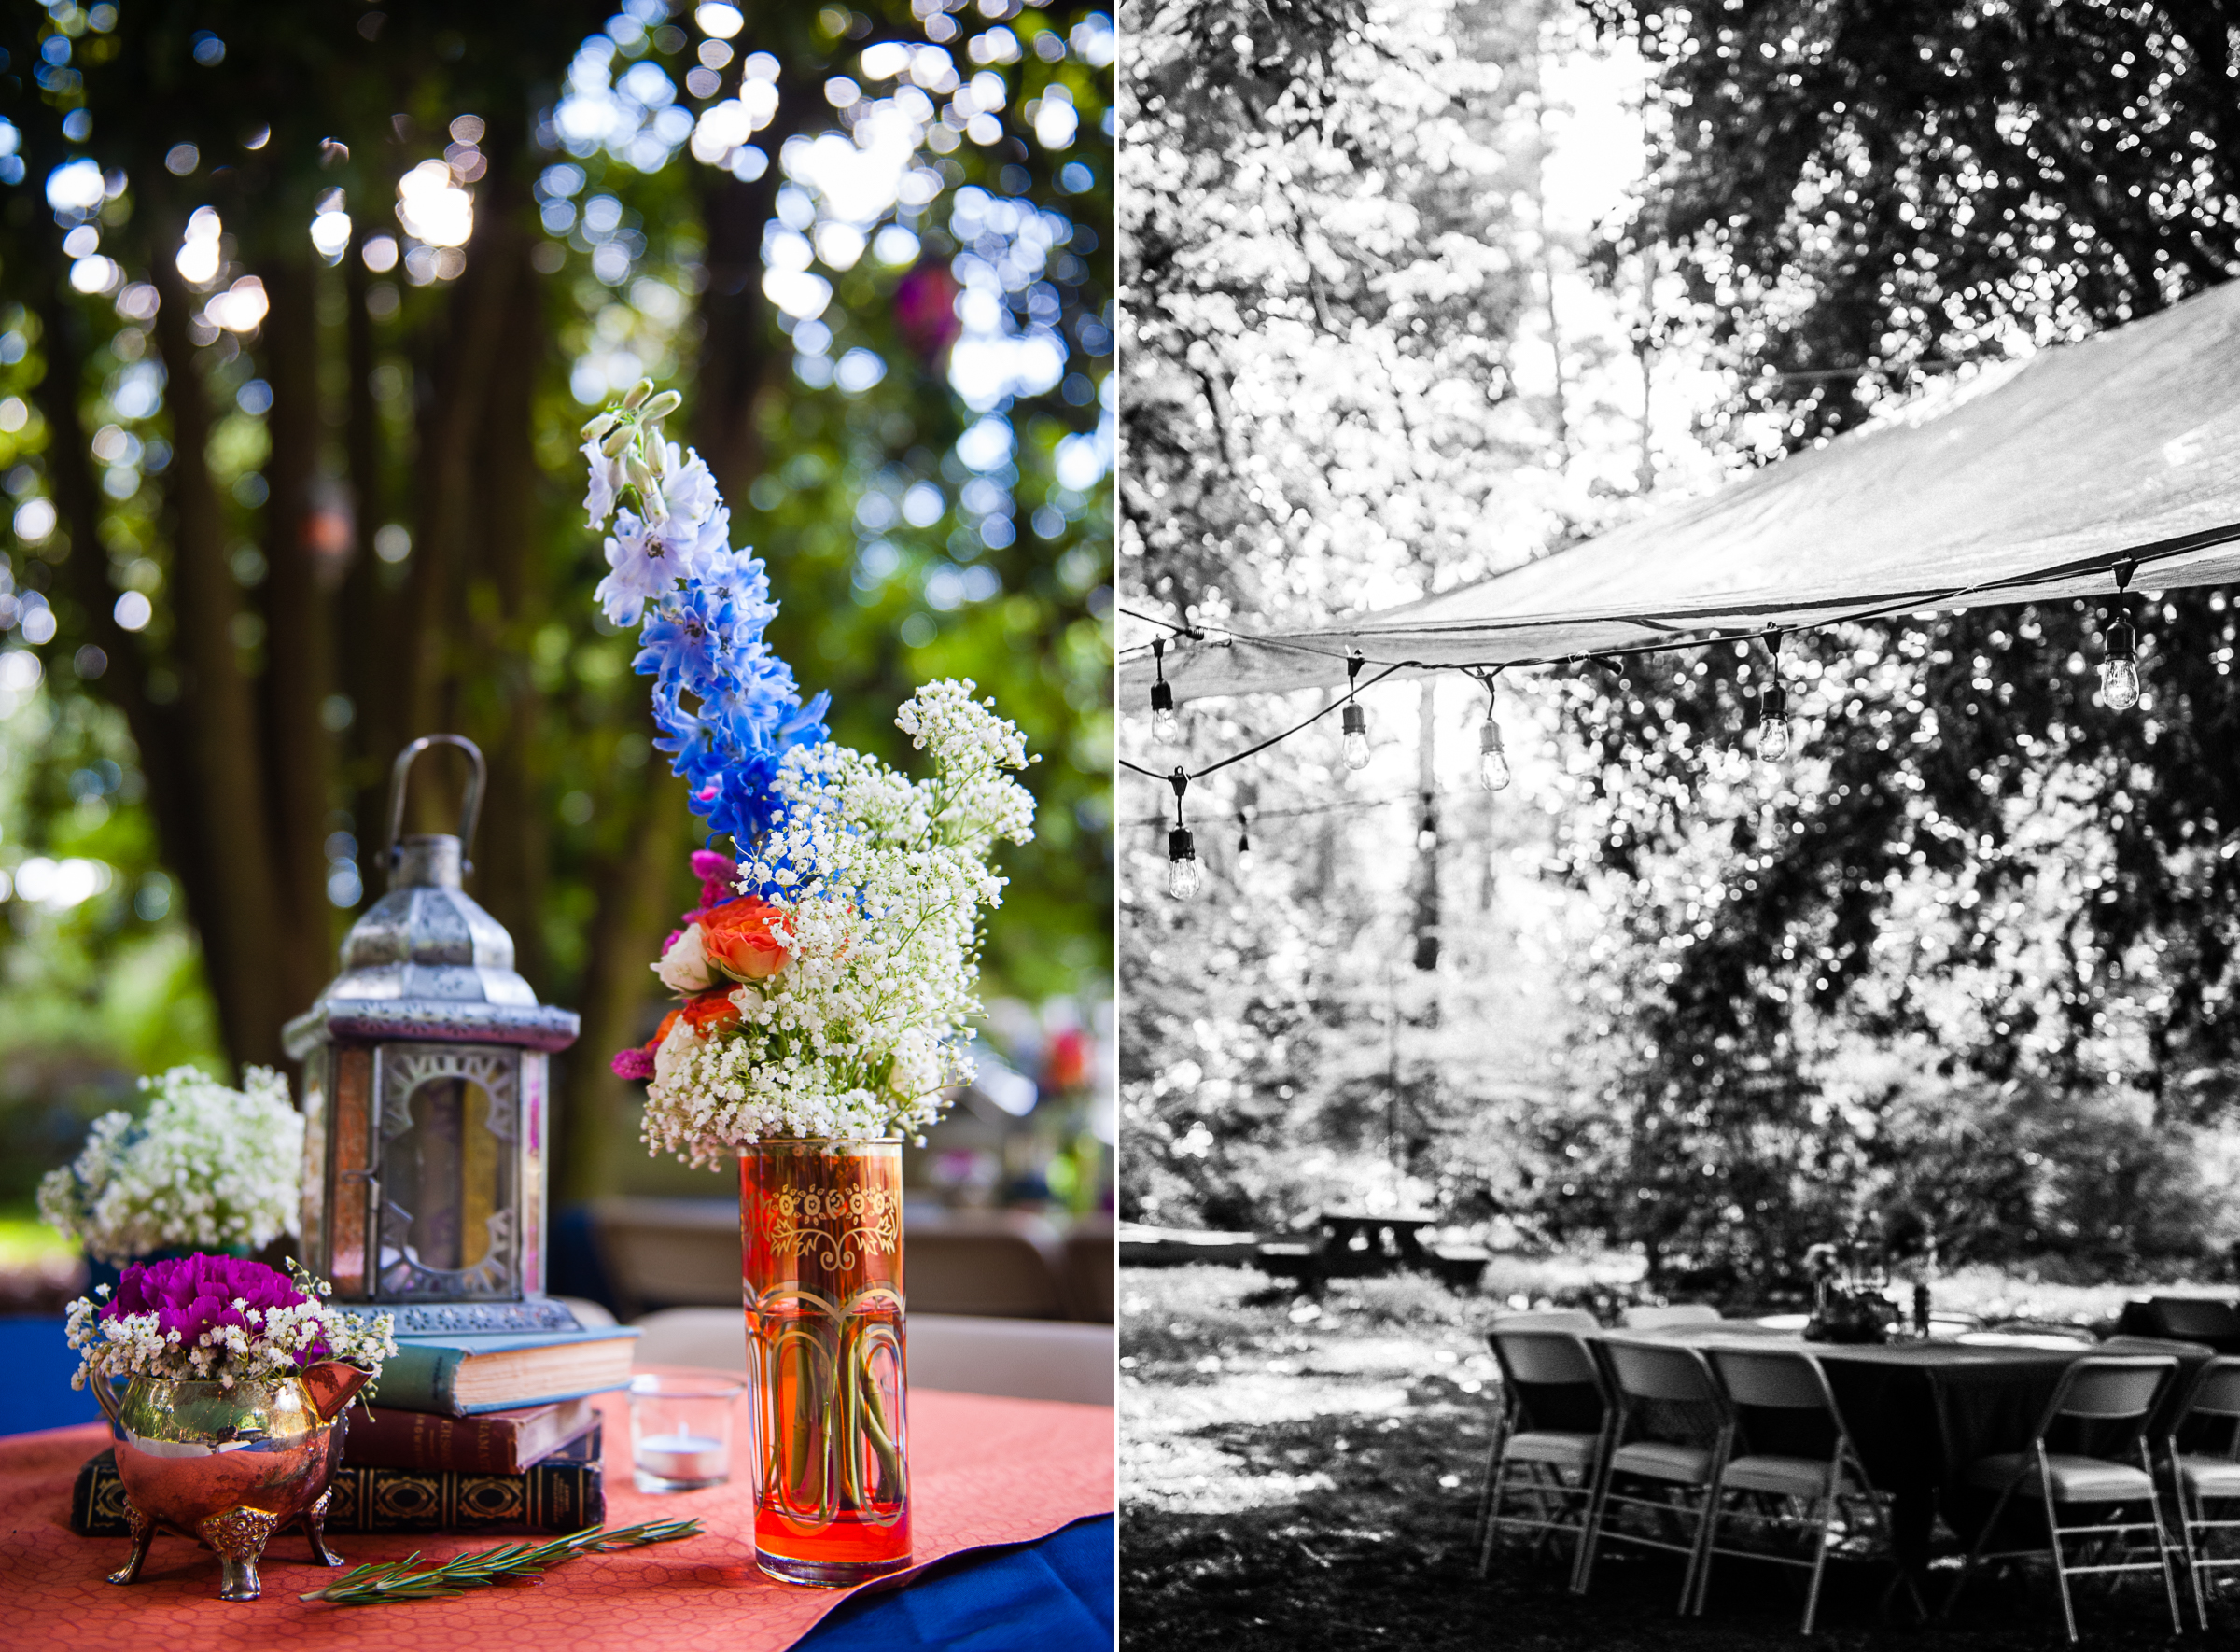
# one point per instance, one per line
(727, 707)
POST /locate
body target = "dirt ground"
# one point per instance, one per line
(1304, 1476)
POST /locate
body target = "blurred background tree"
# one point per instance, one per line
(1974, 868)
(300, 310)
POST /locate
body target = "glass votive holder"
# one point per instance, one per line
(681, 1430)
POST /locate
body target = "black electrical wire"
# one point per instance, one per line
(2121, 566)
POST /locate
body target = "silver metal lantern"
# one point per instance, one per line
(425, 1073)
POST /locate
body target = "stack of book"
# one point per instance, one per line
(465, 1433)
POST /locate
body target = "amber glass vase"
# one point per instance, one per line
(821, 1223)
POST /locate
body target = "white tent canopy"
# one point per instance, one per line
(2124, 447)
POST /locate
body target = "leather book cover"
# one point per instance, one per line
(495, 1442)
(556, 1495)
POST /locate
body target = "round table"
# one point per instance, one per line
(1918, 1413)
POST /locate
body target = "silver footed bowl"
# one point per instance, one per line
(228, 1466)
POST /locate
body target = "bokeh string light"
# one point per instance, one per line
(2119, 686)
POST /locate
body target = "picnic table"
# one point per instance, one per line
(1918, 1412)
(1344, 1243)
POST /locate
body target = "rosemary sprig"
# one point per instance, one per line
(374, 1586)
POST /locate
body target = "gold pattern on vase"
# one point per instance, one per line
(835, 1226)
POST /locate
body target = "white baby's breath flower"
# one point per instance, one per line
(277, 1343)
(208, 1169)
(879, 882)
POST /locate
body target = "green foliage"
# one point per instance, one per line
(379, 534)
(1336, 260)
(1337, 256)
(102, 978)
(1970, 854)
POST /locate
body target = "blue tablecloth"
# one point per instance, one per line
(1051, 1596)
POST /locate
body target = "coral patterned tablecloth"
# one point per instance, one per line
(986, 1472)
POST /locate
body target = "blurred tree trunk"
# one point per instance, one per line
(242, 914)
(636, 889)
(1427, 846)
(296, 751)
(737, 362)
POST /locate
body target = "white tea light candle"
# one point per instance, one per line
(699, 1458)
(680, 1428)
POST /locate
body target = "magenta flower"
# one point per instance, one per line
(633, 1064)
(198, 1293)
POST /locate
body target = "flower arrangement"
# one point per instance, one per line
(830, 974)
(219, 1319)
(208, 1168)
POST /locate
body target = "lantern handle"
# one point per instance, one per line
(469, 810)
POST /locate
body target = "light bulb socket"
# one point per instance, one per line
(1353, 719)
(2122, 641)
(1489, 736)
(1772, 702)
(1162, 696)
(1181, 845)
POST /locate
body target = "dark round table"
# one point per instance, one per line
(1918, 1412)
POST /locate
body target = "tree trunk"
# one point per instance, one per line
(634, 913)
(240, 913)
(736, 359)
(1427, 868)
(506, 606)
(299, 644)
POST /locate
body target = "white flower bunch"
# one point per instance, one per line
(208, 1168)
(272, 1341)
(877, 883)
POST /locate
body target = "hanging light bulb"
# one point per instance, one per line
(2120, 666)
(1165, 724)
(1773, 708)
(2120, 671)
(1492, 762)
(1773, 723)
(1183, 870)
(1355, 723)
(2120, 656)
(1356, 743)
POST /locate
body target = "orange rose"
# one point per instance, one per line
(710, 1013)
(737, 940)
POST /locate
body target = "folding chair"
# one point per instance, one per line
(1813, 1496)
(2197, 1477)
(2097, 1394)
(1543, 1351)
(1668, 1479)
(1677, 1313)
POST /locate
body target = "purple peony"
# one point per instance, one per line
(633, 1064)
(198, 1293)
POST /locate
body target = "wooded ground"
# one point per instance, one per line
(1289, 1483)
